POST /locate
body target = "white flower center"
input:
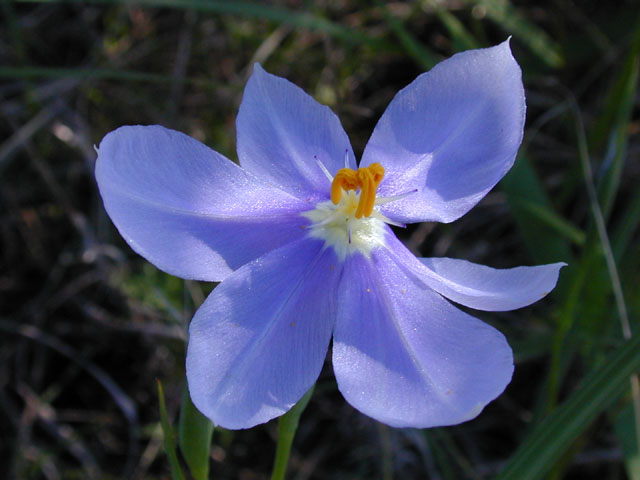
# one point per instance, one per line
(349, 222)
(340, 229)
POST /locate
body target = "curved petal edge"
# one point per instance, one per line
(491, 289)
(405, 356)
(187, 209)
(259, 341)
(450, 135)
(283, 134)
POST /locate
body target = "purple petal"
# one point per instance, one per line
(405, 356)
(451, 135)
(186, 208)
(258, 342)
(479, 286)
(486, 288)
(281, 132)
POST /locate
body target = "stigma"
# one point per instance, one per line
(349, 221)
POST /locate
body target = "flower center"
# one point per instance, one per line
(366, 179)
(348, 222)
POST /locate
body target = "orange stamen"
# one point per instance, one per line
(365, 178)
(345, 179)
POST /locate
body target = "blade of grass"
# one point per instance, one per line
(29, 73)
(630, 448)
(627, 225)
(443, 462)
(526, 32)
(443, 437)
(586, 282)
(600, 224)
(416, 50)
(194, 437)
(259, 11)
(554, 435)
(462, 38)
(614, 123)
(619, 100)
(534, 345)
(551, 219)
(615, 119)
(608, 252)
(536, 218)
(169, 437)
(563, 344)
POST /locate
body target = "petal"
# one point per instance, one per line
(405, 356)
(486, 288)
(450, 135)
(281, 132)
(187, 209)
(479, 286)
(258, 343)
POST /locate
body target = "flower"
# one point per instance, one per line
(299, 238)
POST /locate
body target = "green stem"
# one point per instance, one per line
(194, 437)
(287, 427)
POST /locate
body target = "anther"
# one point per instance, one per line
(366, 179)
(346, 179)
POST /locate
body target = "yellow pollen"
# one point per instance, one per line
(366, 179)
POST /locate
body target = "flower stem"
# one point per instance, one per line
(287, 427)
(194, 437)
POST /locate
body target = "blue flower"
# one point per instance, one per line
(299, 238)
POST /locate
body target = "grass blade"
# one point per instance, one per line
(624, 422)
(416, 50)
(626, 226)
(81, 74)
(608, 253)
(551, 219)
(545, 232)
(259, 11)
(525, 31)
(194, 437)
(462, 38)
(169, 437)
(619, 99)
(614, 124)
(554, 435)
